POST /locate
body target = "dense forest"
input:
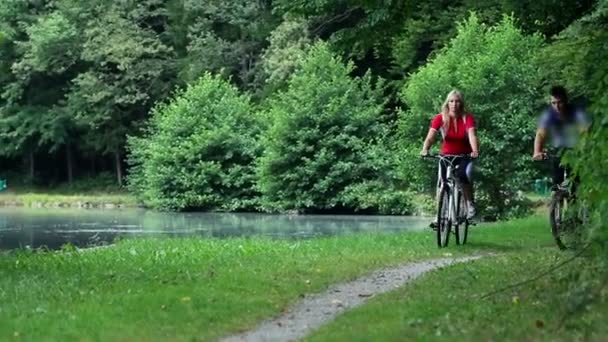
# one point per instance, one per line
(286, 105)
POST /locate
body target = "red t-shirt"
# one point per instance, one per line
(456, 140)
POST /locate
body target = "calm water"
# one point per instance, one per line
(20, 227)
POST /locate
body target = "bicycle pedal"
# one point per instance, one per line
(433, 226)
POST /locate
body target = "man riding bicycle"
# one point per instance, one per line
(564, 123)
(458, 131)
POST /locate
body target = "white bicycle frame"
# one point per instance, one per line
(454, 186)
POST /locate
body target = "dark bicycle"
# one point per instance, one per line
(566, 214)
(451, 205)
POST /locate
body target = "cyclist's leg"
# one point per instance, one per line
(557, 172)
(465, 174)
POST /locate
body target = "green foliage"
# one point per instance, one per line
(52, 47)
(496, 69)
(91, 70)
(546, 16)
(289, 43)
(357, 28)
(33, 115)
(103, 182)
(84, 74)
(220, 36)
(374, 196)
(129, 67)
(323, 139)
(430, 26)
(198, 151)
(580, 60)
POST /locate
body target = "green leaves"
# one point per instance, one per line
(52, 47)
(325, 127)
(198, 151)
(582, 63)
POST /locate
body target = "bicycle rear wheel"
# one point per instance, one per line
(566, 221)
(444, 224)
(462, 223)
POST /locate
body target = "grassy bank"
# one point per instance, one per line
(95, 192)
(184, 289)
(474, 302)
(512, 296)
(89, 200)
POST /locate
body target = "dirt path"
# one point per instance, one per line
(318, 309)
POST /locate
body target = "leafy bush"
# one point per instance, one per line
(325, 143)
(375, 197)
(496, 69)
(198, 151)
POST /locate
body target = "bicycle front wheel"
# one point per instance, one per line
(444, 224)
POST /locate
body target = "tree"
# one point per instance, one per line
(222, 37)
(289, 43)
(41, 53)
(128, 69)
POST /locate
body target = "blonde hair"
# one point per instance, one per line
(445, 109)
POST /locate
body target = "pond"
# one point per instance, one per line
(52, 228)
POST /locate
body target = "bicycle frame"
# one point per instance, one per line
(454, 187)
(451, 187)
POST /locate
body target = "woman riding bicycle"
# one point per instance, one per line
(458, 132)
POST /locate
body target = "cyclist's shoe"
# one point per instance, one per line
(434, 225)
(471, 212)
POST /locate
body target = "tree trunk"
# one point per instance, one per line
(31, 164)
(68, 151)
(93, 168)
(118, 167)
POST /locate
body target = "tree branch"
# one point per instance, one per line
(335, 19)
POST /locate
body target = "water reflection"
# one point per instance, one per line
(21, 227)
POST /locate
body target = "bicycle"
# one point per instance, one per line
(451, 205)
(566, 214)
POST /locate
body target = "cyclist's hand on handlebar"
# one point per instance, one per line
(424, 153)
(539, 156)
(474, 154)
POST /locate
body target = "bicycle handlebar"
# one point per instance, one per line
(445, 156)
(548, 156)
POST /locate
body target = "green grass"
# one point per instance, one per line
(94, 199)
(96, 191)
(180, 288)
(477, 301)
(196, 289)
